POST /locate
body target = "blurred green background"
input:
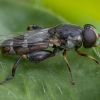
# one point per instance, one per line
(50, 79)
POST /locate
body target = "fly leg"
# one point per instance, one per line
(88, 56)
(32, 27)
(36, 56)
(41, 55)
(13, 69)
(64, 55)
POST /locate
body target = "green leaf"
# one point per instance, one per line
(49, 79)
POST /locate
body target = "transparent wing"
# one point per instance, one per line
(7, 36)
(34, 37)
(38, 35)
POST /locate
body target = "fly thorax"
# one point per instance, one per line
(72, 42)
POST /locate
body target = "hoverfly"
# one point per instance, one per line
(33, 44)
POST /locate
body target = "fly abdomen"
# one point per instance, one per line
(10, 46)
(7, 47)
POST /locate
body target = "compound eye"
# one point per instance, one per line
(89, 37)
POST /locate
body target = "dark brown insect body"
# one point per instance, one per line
(33, 43)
